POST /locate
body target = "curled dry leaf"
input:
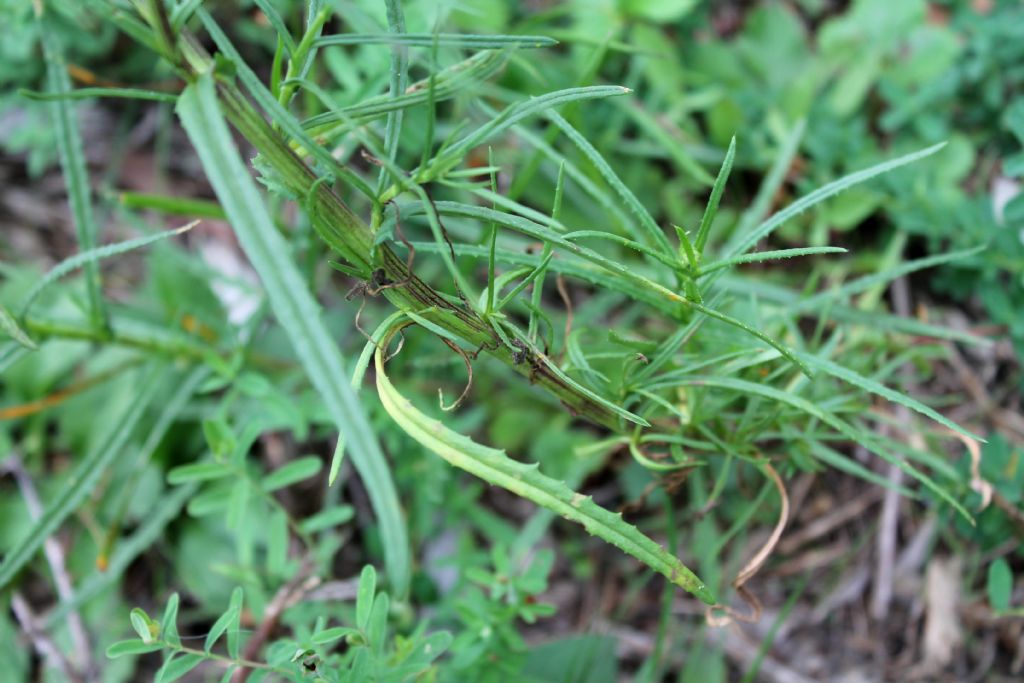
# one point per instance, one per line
(978, 484)
(722, 615)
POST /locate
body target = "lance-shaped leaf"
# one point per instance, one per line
(296, 309)
(526, 481)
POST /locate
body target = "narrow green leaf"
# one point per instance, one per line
(447, 83)
(212, 500)
(866, 282)
(885, 392)
(607, 200)
(330, 635)
(841, 426)
(626, 242)
(526, 481)
(783, 297)
(364, 596)
(72, 161)
(768, 190)
(458, 40)
(358, 373)
(82, 481)
(292, 472)
(274, 17)
(823, 193)
(716, 196)
(297, 311)
(183, 12)
(200, 471)
(228, 620)
(686, 249)
(652, 233)
(999, 585)
(399, 81)
(837, 460)
(169, 622)
(92, 256)
(177, 666)
(377, 626)
(759, 256)
(124, 648)
(517, 112)
(178, 206)
(525, 282)
(238, 503)
(9, 325)
(277, 543)
(305, 50)
(328, 519)
(87, 93)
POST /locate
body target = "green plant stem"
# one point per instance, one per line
(353, 239)
(241, 663)
(50, 328)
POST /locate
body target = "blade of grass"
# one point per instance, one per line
(652, 234)
(538, 287)
(91, 257)
(467, 41)
(72, 161)
(447, 83)
(177, 206)
(769, 188)
(711, 210)
(867, 282)
(86, 93)
(86, 476)
(829, 190)
(864, 438)
(515, 113)
(399, 81)
(10, 325)
(885, 392)
(760, 256)
(296, 310)
(274, 17)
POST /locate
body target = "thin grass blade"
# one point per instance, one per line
(72, 161)
(297, 311)
(758, 257)
(857, 436)
(652, 234)
(467, 41)
(84, 479)
(711, 210)
(92, 256)
(829, 190)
